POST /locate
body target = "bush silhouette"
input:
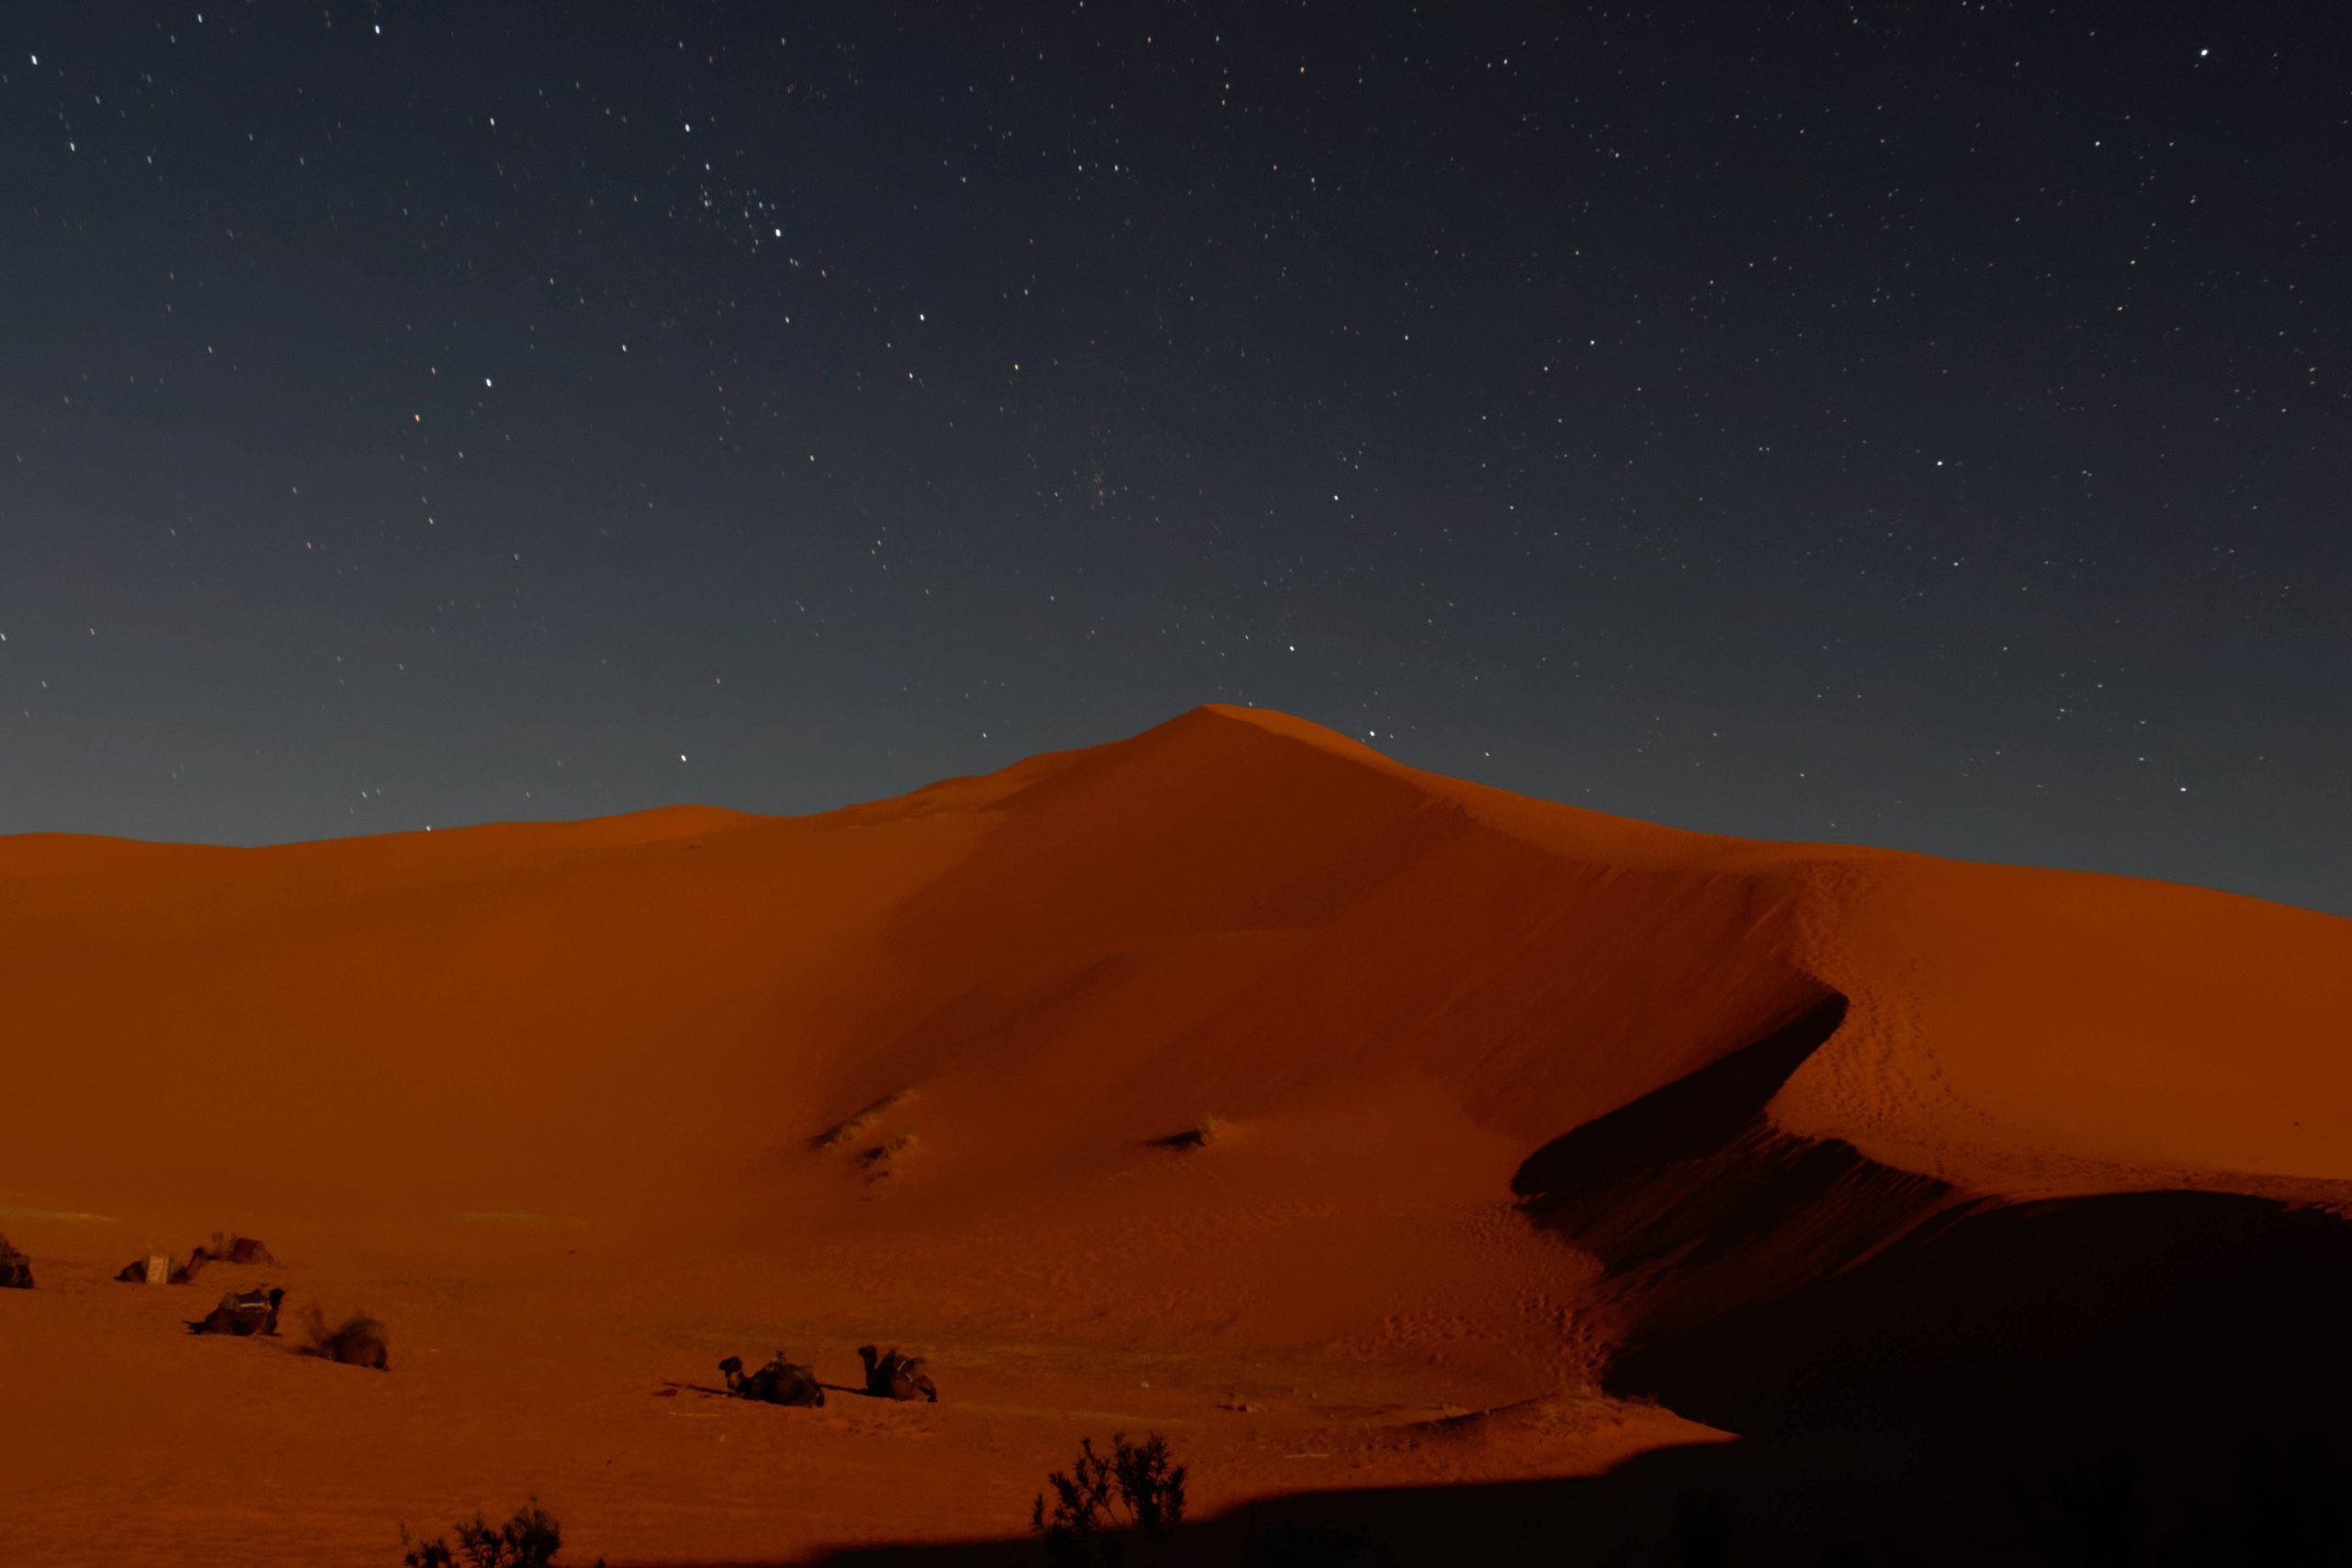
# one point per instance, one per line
(1105, 1499)
(530, 1540)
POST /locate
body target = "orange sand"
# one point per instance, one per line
(544, 1099)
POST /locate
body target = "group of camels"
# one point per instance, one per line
(360, 1340)
(888, 1375)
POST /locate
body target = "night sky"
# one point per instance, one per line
(1923, 424)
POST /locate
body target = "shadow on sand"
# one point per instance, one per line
(2154, 1379)
(2127, 1381)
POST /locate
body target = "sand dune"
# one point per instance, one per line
(1506, 1102)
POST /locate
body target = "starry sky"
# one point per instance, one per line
(1922, 424)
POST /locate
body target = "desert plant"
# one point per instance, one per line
(530, 1540)
(359, 1340)
(1104, 1500)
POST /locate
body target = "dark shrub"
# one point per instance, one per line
(1106, 1499)
(530, 1540)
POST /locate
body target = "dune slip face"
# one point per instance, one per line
(1366, 1132)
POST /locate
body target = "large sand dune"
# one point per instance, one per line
(1231, 1066)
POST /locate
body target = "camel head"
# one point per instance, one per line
(866, 1353)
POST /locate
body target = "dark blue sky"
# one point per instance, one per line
(1914, 425)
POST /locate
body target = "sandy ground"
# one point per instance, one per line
(535, 1359)
(549, 1100)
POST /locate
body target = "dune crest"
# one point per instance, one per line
(1237, 908)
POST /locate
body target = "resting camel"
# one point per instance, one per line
(778, 1382)
(225, 1248)
(16, 1269)
(358, 1343)
(241, 1313)
(892, 1376)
